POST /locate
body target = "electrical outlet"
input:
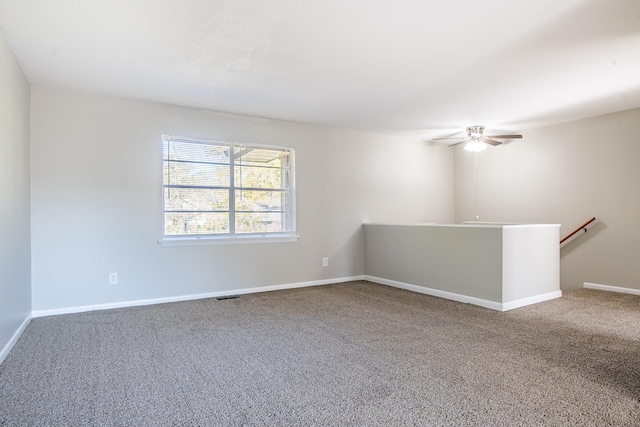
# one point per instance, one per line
(113, 278)
(325, 262)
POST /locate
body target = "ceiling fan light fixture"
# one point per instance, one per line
(475, 146)
(476, 141)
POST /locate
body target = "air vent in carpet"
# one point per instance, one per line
(227, 297)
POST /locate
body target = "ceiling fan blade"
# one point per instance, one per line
(505, 136)
(490, 141)
(464, 140)
(449, 135)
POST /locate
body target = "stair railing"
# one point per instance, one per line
(584, 227)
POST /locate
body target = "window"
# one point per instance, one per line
(217, 189)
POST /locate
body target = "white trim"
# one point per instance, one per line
(619, 289)
(531, 300)
(14, 339)
(437, 293)
(466, 224)
(473, 222)
(84, 308)
(467, 299)
(169, 242)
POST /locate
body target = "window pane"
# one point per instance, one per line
(261, 200)
(193, 223)
(259, 222)
(259, 177)
(195, 199)
(196, 174)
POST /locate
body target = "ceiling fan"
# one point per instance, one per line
(476, 141)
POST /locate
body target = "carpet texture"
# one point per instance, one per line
(354, 353)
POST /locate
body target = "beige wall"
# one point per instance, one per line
(96, 200)
(566, 174)
(15, 269)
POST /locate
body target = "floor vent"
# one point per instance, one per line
(227, 297)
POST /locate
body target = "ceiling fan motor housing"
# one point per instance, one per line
(475, 131)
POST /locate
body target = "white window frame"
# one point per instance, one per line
(169, 240)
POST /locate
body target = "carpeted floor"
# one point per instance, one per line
(347, 354)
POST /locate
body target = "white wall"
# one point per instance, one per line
(15, 258)
(566, 174)
(96, 200)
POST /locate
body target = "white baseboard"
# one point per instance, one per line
(14, 339)
(437, 293)
(84, 308)
(588, 285)
(493, 305)
(531, 300)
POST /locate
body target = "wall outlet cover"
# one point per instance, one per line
(113, 278)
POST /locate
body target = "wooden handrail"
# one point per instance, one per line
(583, 226)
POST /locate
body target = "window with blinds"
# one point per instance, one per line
(227, 189)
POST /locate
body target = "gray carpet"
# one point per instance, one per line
(347, 354)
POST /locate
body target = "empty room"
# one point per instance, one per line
(334, 213)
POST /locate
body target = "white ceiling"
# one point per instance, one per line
(426, 67)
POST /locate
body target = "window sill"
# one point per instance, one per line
(170, 242)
